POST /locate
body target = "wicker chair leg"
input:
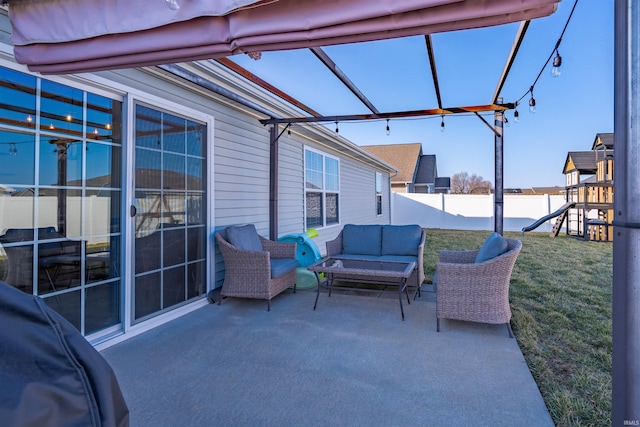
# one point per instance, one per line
(437, 325)
(510, 331)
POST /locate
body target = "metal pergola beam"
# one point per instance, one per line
(265, 85)
(393, 115)
(328, 62)
(522, 30)
(434, 72)
(625, 408)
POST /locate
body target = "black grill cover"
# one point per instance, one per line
(49, 374)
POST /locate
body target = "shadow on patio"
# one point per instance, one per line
(351, 362)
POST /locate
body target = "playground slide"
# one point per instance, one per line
(539, 222)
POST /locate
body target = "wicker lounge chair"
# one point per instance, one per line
(475, 292)
(262, 272)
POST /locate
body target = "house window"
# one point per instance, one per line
(378, 193)
(322, 189)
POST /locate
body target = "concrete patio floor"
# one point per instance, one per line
(352, 362)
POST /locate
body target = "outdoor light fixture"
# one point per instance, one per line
(337, 130)
(388, 129)
(532, 102)
(173, 4)
(68, 117)
(29, 118)
(557, 62)
(442, 124)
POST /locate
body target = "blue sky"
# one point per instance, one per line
(395, 76)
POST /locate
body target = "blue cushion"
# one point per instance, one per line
(398, 258)
(244, 237)
(281, 266)
(401, 239)
(494, 246)
(361, 239)
(354, 256)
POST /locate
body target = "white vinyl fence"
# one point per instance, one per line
(472, 211)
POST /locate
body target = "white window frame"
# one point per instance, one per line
(378, 193)
(323, 191)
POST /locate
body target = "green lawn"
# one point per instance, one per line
(561, 302)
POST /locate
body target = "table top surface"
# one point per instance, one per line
(374, 267)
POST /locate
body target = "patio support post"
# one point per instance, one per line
(626, 221)
(273, 182)
(498, 207)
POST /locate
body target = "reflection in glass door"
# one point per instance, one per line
(170, 211)
(60, 182)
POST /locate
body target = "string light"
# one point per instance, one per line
(29, 118)
(506, 121)
(532, 102)
(388, 129)
(557, 62)
(13, 150)
(337, 130)
(442, 124)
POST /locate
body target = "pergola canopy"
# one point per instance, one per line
(108, 34)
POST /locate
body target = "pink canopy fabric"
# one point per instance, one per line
(72, 36)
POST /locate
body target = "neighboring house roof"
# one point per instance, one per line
(582, 161)
(443, 182)
(603, 140)
(427, 170)
(403, 157)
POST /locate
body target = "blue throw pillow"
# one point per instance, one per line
(244, 237)
(494, 246)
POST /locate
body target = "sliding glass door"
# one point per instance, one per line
(60, 198)
(169, 211)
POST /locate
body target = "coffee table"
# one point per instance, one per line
(390, 273)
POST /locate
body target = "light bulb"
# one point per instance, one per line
(29, 118)
(442, 125)
(337, 130)
(506, 122)
(557, 62)
(68, 117)
(388, 129)
(532, 105)
(516, 116)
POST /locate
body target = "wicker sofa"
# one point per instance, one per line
(384, 242)
(255, 267)
(475, 291)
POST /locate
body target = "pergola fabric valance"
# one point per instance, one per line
(70, 36)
